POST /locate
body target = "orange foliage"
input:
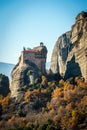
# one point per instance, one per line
(61, 111)
(49, 105)
(68, 86)
(64, 122)
(61, 81)
(67, 108)
(80, 82)
(23, 120)
(1, 97)
(52, 111)
(27, 96)
(83, 104)
(44, 91)
(12, 119)
(84, 101)
(57, 93)
(5, 101)
(70, 106)
(83, 85)
(75, 118)
(44, 80)
(51, 84)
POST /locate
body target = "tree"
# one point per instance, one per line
(44, 81)
(27, 96)
(57, 93)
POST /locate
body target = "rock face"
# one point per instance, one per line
(73, 59)
(4, 85)
(79, 40)
(20, 77)
(30, 66)
(60, 52)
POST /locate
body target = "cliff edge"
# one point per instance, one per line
(69, 57)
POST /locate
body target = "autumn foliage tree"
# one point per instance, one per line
(44, 81)
(4, 101)
(63, 102)
(57, 93)
(27, 96)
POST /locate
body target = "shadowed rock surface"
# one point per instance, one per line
(20, 77)
(60, 52)
(79, 40)
(73, 69)
(69, 45)
(4, 85)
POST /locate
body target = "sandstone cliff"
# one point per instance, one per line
(70, 51)
(60, 52)
(79, 52)
(23, 74)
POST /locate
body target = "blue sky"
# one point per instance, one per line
(29, 22)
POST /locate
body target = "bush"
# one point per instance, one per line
(43, 127)
(49, 127)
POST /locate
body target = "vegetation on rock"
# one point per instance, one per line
(53, 105)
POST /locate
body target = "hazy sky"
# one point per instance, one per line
(29, 22)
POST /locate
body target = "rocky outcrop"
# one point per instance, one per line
(60, 52)
(23, 74)
(79, 52)
(70, 51)
(31, 65)
(4, 85)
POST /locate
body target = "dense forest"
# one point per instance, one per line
(48, 104)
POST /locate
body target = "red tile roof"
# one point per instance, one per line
(32, 51)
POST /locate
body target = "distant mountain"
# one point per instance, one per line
(6, 68)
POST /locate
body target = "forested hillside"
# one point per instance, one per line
(47, 105)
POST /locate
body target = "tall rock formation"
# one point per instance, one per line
(4, 85)
(70, 59)
(60, 52)
(31, 65)
(79, 51)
